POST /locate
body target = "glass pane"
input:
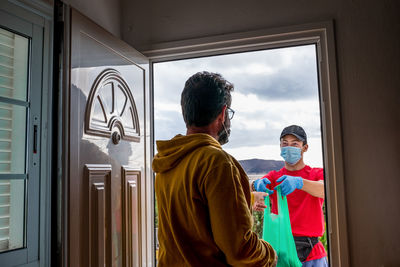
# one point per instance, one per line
(14, 52)
(12, 138)
(12, 161)
(12, 210)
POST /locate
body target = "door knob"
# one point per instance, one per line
(116, 138)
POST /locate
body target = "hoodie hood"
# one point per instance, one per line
(171, 152)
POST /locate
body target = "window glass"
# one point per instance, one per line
(14, 57)
(12, 138)
(14, 50)
(12, 210)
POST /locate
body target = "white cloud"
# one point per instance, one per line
(165, 106)
(273, 89)
(251, 152)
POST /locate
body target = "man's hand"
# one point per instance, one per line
(259, 201)
(261, 185)
(289, 184)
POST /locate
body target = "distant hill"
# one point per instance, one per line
(261, 166)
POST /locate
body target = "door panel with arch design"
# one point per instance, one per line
(106, 147)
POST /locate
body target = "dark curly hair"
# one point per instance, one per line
(203, 98)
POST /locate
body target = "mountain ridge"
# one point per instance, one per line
(261, 166)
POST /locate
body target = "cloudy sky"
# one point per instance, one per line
(273, 89)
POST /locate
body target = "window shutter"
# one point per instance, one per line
(6, 88)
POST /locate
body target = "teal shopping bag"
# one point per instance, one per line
(278, 232)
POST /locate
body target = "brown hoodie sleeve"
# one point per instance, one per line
(231, 220)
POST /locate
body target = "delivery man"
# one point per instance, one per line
(304, 188)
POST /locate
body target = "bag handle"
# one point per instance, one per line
(281, 206)
(279, 199)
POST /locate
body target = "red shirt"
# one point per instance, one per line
(305, 210)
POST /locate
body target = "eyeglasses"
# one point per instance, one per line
(231, 112)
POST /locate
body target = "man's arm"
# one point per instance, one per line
(258, 199)
(290, 183)
(231, 220)
(314, 188)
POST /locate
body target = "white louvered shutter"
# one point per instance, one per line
(7, 42)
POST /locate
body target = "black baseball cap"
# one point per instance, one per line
(297, 131)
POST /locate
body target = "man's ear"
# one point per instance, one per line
(221, 115)
(305, 148)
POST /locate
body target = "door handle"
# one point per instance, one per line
(35, 133)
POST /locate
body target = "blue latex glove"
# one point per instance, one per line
(261, 185)
(289, 184)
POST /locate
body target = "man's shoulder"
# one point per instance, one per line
(211, 150)
(316, 169)
(212, 154)
(316, 172)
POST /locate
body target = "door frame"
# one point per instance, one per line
(34, 20)
(322, 35)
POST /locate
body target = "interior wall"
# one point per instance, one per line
(106, 13)
(368, 53)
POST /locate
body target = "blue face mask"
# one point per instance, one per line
(291, 154)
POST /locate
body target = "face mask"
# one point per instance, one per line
(291, 154)
(223, 134)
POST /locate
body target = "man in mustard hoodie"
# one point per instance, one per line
(203, 194)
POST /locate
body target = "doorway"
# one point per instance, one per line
(274, 88)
